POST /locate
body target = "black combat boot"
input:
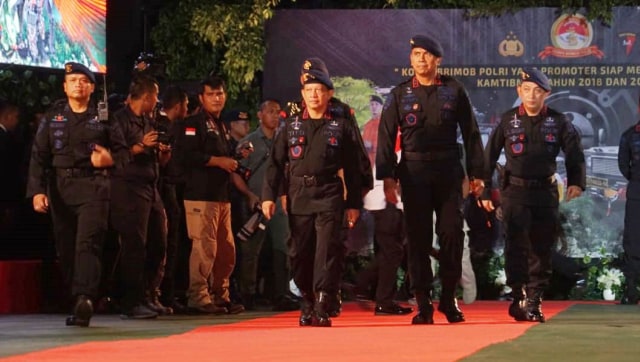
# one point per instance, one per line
(82, 312)
(335, 305)
(518, 308)
(306, 309)
(534, 305)
(425, 309)
(448, 304)
(320, 311)
(630, 295)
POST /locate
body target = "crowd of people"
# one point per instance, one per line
(195, 200)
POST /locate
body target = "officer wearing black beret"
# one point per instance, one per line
(428, 109)
(316, 144)
(73, 153)
(531, 136)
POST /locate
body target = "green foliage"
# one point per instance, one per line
(590, 289)
(32, 92)
(188, 55)
(355, 92)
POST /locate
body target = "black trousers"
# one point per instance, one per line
(79, 227)
(173, 210)
(530, 233)
(315, 248)
(439, 191)
(141, 224)
(631, 236)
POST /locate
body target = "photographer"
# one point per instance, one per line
(276, 232)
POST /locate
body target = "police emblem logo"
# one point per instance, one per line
(517, 148)
(296, 124)
(549, 121)
(296, 152)
(68, 68)
(411, 119)
(333, 123)
(515, 122)
(306, 65)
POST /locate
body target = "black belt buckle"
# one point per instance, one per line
(309, 181)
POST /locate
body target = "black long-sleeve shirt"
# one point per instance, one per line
(315, 148)
(531, 145)
(428, 118)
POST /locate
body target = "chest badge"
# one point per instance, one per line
(296, 124)
(515, 121)
(59, 118)
(411, 119)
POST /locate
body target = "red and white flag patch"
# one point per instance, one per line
(189, 131)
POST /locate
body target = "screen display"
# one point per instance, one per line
(49, 33)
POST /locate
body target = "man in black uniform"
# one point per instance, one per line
(137, 212)
(428, 109)
(174, 109)
(532, 135)
(68, 175)
(316, 145)
(628, 156)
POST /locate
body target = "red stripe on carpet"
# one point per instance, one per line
(356, 335)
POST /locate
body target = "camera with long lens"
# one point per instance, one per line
(241, 170)
(255, 223)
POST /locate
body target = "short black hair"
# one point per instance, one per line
(6, 107)
(214, 82)
(173, 95)
(267, 101)
(141, 85)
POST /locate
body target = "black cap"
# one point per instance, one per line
(536, 76)
(314, 63)
(236, 115)
(375, 98)
(77, 68)
(427, 43)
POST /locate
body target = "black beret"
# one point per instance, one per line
(536, 76)
(427, 43)
(316, 76)
(314, 63)
(77, 68)
(236, 115)
(375, 98)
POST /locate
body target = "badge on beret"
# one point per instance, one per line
(68, 68)
(306, 65)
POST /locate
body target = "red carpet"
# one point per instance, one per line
(355, 336)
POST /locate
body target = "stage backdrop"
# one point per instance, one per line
(594, 69)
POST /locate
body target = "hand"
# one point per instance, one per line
(40, 203)
(101, 157)
(499, 213)
(164, 148)
(352, 217)
(150, 139)
(268, 209)
(390, 190)
(228, 164)
(283, 202)
(476, 187)
(486, 204)
(245, 152)
(573, 191)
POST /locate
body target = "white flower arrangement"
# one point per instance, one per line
(501, 280)
(609, 278)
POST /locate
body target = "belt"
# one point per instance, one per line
(316, 180)
(532, 183)
(431, 155)
(81, 172)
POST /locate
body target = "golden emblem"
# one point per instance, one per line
(511, 46)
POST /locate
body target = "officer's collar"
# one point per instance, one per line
(415, 83)
(523, 112)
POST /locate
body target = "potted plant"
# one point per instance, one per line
(610, 281)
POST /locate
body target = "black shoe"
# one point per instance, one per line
(392, 309)
(139, 312)
(334, 305)
(424, 316)
(154, 304)
(82, 312)
(518, 310)
(451, 311)
(207, 309)
(232, 308)
(178, 308)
